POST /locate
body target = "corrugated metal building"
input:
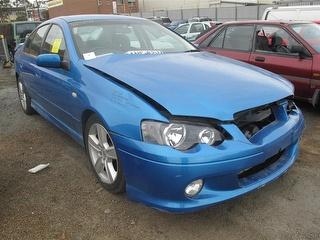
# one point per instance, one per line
(155, 5)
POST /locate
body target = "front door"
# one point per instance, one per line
(272, 51)
(58, 89)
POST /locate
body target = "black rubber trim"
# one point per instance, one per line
(261, 166)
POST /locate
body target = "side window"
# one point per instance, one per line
(274, 39)
(238, 38)
(182, 29)
(34, 42)
(196, 28)
(55, 42)
(218, 41)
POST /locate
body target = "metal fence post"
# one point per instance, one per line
(216, 13)
(236, 13)
(7, 61)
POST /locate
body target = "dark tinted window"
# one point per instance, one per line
(166, 20)
(274, 39)
(55, 42)
(218, 41)
(34, 42)
(238, 38)
(206, 19)
(196, 28)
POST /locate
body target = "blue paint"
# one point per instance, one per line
(123, 90)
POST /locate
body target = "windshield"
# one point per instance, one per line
(95, 38)
(310, 32)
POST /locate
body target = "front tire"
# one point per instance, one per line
(24, 98)
(103, 156)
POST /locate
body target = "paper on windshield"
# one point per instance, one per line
(88, 56)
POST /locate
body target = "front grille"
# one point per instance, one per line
(291, 106)
(253, 120)
(257, 168)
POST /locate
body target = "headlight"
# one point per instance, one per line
(181, 136)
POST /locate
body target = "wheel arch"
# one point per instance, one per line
(86, 114)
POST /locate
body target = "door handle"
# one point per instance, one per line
(260, 59)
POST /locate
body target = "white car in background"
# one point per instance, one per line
(297, 13)
(191, 31)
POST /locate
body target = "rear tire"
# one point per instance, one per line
(24, 98)
(103, 156)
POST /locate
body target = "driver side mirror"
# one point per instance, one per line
(303, 53)
(49, 60)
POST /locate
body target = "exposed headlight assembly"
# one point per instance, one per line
(181, 136)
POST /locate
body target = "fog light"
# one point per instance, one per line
(193, 188)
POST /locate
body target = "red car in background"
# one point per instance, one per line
(291, 49)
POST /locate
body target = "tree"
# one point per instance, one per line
(4, 5)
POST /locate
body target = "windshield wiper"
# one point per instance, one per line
(193, 50)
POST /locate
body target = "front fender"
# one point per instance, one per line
(119, 108)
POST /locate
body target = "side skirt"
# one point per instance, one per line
(46, 115)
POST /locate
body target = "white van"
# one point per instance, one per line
(304, 13)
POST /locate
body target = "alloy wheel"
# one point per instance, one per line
(102, 153)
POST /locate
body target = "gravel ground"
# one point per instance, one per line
(66, 202)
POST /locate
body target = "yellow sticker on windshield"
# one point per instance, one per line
(56, 45)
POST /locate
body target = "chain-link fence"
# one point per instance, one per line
(223, 14)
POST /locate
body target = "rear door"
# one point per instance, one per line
(29, 69)
(272, 51)
(233, 41)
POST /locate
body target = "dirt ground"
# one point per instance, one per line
(66, 202)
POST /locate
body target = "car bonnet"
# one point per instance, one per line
(196, 84)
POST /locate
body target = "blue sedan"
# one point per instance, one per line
(176, 128)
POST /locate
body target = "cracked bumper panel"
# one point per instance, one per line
(157, 175)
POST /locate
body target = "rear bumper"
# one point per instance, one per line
(157, 175)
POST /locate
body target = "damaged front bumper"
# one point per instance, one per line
(158, 175)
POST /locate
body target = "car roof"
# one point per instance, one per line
(275, 22)
(84, 17)
(295, 7)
